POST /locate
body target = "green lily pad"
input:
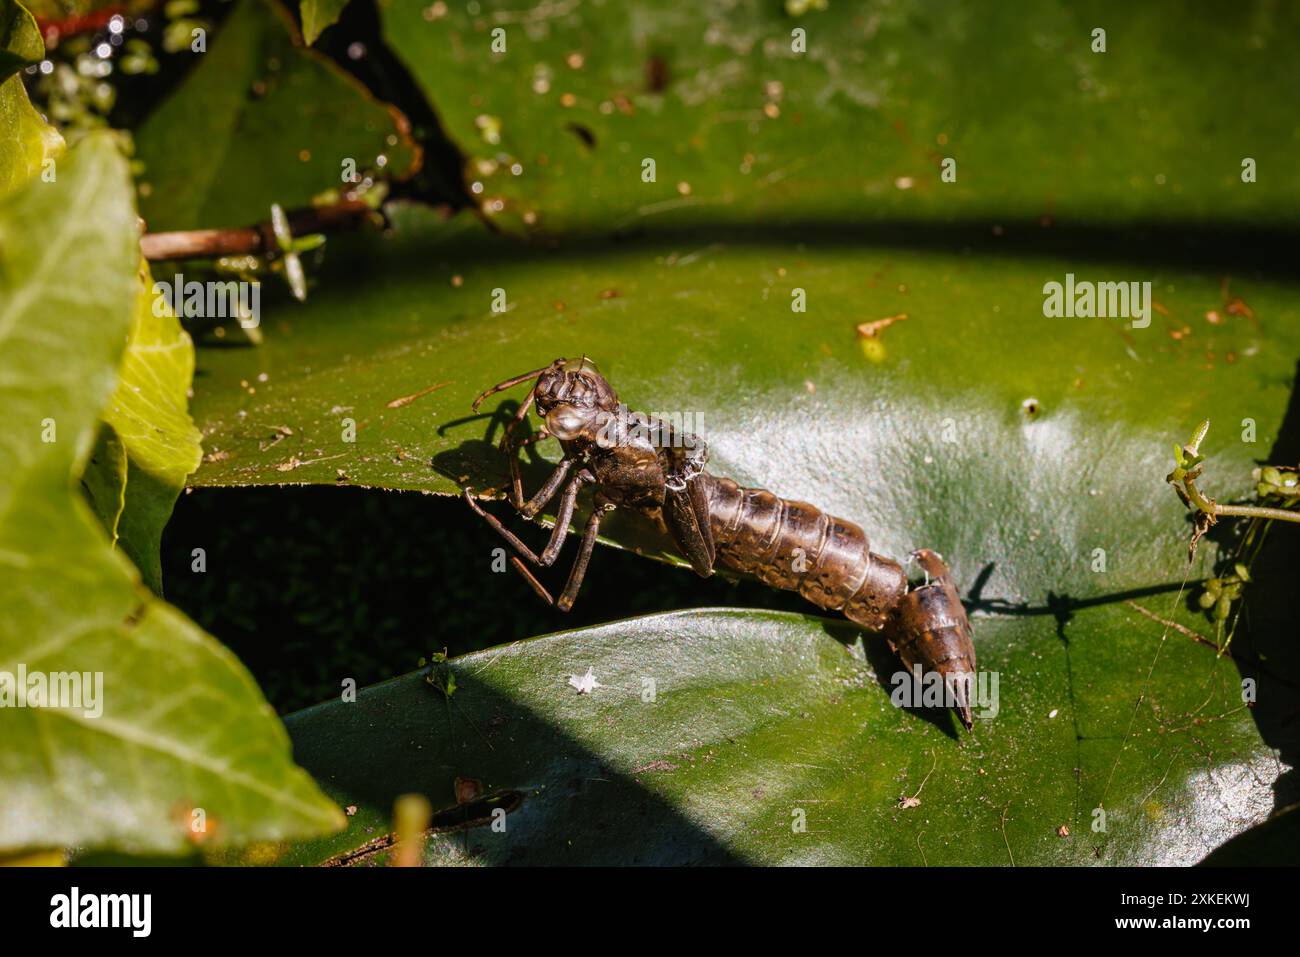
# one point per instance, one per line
(712, 735)
(1027, 449)
(260, 120)
(175, 724)
(558, 106)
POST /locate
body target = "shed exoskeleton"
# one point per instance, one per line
(634, 461)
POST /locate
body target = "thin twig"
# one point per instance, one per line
(251, 240)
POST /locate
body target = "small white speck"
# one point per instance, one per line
(585, 684)
(1053, 714)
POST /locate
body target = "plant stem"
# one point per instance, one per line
(1248, 511)
(1258, 511)
(255, 240)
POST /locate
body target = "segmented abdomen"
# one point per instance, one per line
(798, 547)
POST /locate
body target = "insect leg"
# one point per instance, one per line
(579, 566)
(561, 528)
(546, 492)
(519, 416)
(562, 517)
(511, 538)
(532, 580)
(516, 477)
(570, 593)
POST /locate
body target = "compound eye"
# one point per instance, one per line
(565, 422)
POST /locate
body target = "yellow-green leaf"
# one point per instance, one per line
(166, 722)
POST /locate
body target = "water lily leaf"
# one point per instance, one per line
(860, 115)
(727, 736)
(1029, 450)
(260, 120)
(174, 724)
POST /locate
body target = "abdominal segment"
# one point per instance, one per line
(795, 546)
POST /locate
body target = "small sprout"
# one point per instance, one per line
(440, 675)
(280, 226)
(290, 249)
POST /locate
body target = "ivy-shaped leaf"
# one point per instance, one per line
(260, 120)
(166, 742)
(148, 418)
(319, 14)
(27, 142)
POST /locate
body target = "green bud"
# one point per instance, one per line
(1222, 608)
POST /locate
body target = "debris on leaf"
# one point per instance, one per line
(869, 330)
(586, 683)
(468, 789)
(408, 399)
(655, 766)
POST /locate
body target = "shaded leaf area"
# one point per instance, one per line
(175, 723)
(260, 120)
(318, 566)
(27, 142)
(1015, 444)
(559, 124)
(148, 442)
(759, 716)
